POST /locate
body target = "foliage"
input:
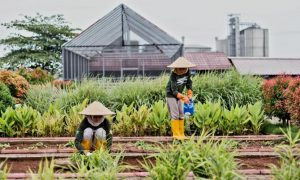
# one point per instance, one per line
(138, 92)
(40, 97)
(237, 120)
(289, 167)
(6, 99)
(256, 116)
(274, 99)
(100, 165)
(282, 98)
(87, 90)
(4, 170)
(208, 115)
(292, 138)
(269, 128)
(45, 171)
(17, 84)
(158, 121)
(206, 158)
(229, 87)
(292, 95)
(131, 121)
(73, 118)
(62, 84)
(52, 123)
(171, 163)
(35, 76)
(19, 122)
(38, 42)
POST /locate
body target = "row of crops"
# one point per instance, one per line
(228, 103)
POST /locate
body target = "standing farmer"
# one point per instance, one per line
(180, 78)
(94, 131)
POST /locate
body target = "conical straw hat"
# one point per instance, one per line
(96, 109)
(181, 62)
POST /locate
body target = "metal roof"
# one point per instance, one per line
(266, 66)
(208, 60)
(111, 31)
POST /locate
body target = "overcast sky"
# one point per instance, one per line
(200, 21)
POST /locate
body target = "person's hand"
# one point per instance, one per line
(190, 94)
(186, 100)
(88, 154)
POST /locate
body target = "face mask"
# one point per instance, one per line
(93, 123)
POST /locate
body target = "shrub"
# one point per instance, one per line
(6, 99)
(100, 165)
(282, 98)
(35, 76)
(230, 88)
(274, 97)
(62, 84)
(206, 158)
(158, 121)
(236, 120)
(130, 121)
(19, 122)
(292, 95)
(52, 123)
(41, 96)
(17, 84)
(289, 159)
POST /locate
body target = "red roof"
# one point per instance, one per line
(208, 60)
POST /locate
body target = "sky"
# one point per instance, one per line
(199, 21)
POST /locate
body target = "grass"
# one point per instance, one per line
(269, 128)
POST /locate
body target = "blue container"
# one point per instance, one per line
(188, 109)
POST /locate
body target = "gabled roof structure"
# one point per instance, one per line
(107, 43)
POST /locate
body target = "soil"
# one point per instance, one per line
(22, 166)
(257, 163)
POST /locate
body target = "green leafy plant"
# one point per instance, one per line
(170, 163)
(229, 87)
(25, 120)
(289, 158)
(235, 120)
(4, 145)
(158, 121)
(20, 122)
(208, 115)
(204, 157)
(41, 96)
(45, 171)
(292, 138)
(6, 98)
(4, 170)
(131, 121)
(73, 118)
(100, 165)
(7, 123)
(256, 116)
(52, 123)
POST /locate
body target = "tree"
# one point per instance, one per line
(38, 43)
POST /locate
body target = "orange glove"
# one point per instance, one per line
(180, 96)
(185, 99)
(190, 93)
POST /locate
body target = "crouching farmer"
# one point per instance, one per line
(94, 132)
